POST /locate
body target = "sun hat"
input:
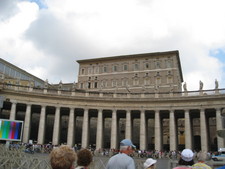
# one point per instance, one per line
(187, 155)
(149, 162)
(127, 142)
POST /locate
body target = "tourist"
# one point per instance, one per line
(186, 159)
(149, 163)
(84, 159)
(62, 157)
(202, 157)
(123, 160)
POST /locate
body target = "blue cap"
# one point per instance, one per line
(127, 142)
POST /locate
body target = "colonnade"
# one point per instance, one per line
(143, 142)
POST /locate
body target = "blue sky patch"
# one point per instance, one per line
(218, 53)
(41, 3)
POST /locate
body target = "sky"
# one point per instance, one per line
(46, 37)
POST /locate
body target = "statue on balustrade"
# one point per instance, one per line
(216, 84)
(185, 86)
(46, 84)
(60, 85)
(74, 86)
(200, 85)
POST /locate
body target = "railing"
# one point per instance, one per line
(112, 94)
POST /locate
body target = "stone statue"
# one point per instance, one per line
(185, 86)
(60, 85)
(216, 84)
(74, 86)
(200, 85)
(46, 84)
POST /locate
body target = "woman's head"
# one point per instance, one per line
(84, 157)
(62, 157)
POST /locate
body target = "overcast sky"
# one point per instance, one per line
(46, 37)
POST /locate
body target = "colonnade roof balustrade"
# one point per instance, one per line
(103, 94)
(172, 100)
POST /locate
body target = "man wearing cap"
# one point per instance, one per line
(123, 160)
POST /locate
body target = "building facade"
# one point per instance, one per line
(161, 119)
(132, 73)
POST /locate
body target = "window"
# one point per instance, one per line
(169, 79)
(89, 85)
(124, 82)
(114, 68)
(96, 84)
(89, 70)
(157, 64)
(12, 73)
(97, 70)
(146, 65)
(114, 83)
(104, 69)
(82, 71)
(2, 67)
(135, 82)
(125, 67)
(136, 66)
(81, 85)
(147, 81)
(158, 80)
(7, 70)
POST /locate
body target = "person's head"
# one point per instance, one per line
(62, 157)
(149, 163)
(84, 158)
(126, 146)
(202, 156)
(186, 157)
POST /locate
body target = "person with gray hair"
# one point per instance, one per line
(123, 160)
(202, 157)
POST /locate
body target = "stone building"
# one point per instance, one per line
(135, 96)
(132, 73)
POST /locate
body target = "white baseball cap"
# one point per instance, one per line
(149, 162)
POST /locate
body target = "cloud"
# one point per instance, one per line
(49, 41)
(7, 9)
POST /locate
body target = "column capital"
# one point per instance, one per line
(13, 101)
(71, 108)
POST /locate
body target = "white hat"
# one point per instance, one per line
(149, 162)
(187, 155)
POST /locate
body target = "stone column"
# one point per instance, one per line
(158, 132)
(143, 131)
(219, 126)
(188, 133)
(85, 131)
(128, 125)
(99, 136)
(203, 131)
(26, 127)
(42, 123)
(56, 129)
(70, 134)
(13, 111)
(173, 134)
(114, 130)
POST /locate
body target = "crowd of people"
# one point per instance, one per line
(66, 157)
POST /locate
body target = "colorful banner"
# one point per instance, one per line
(10, 130)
